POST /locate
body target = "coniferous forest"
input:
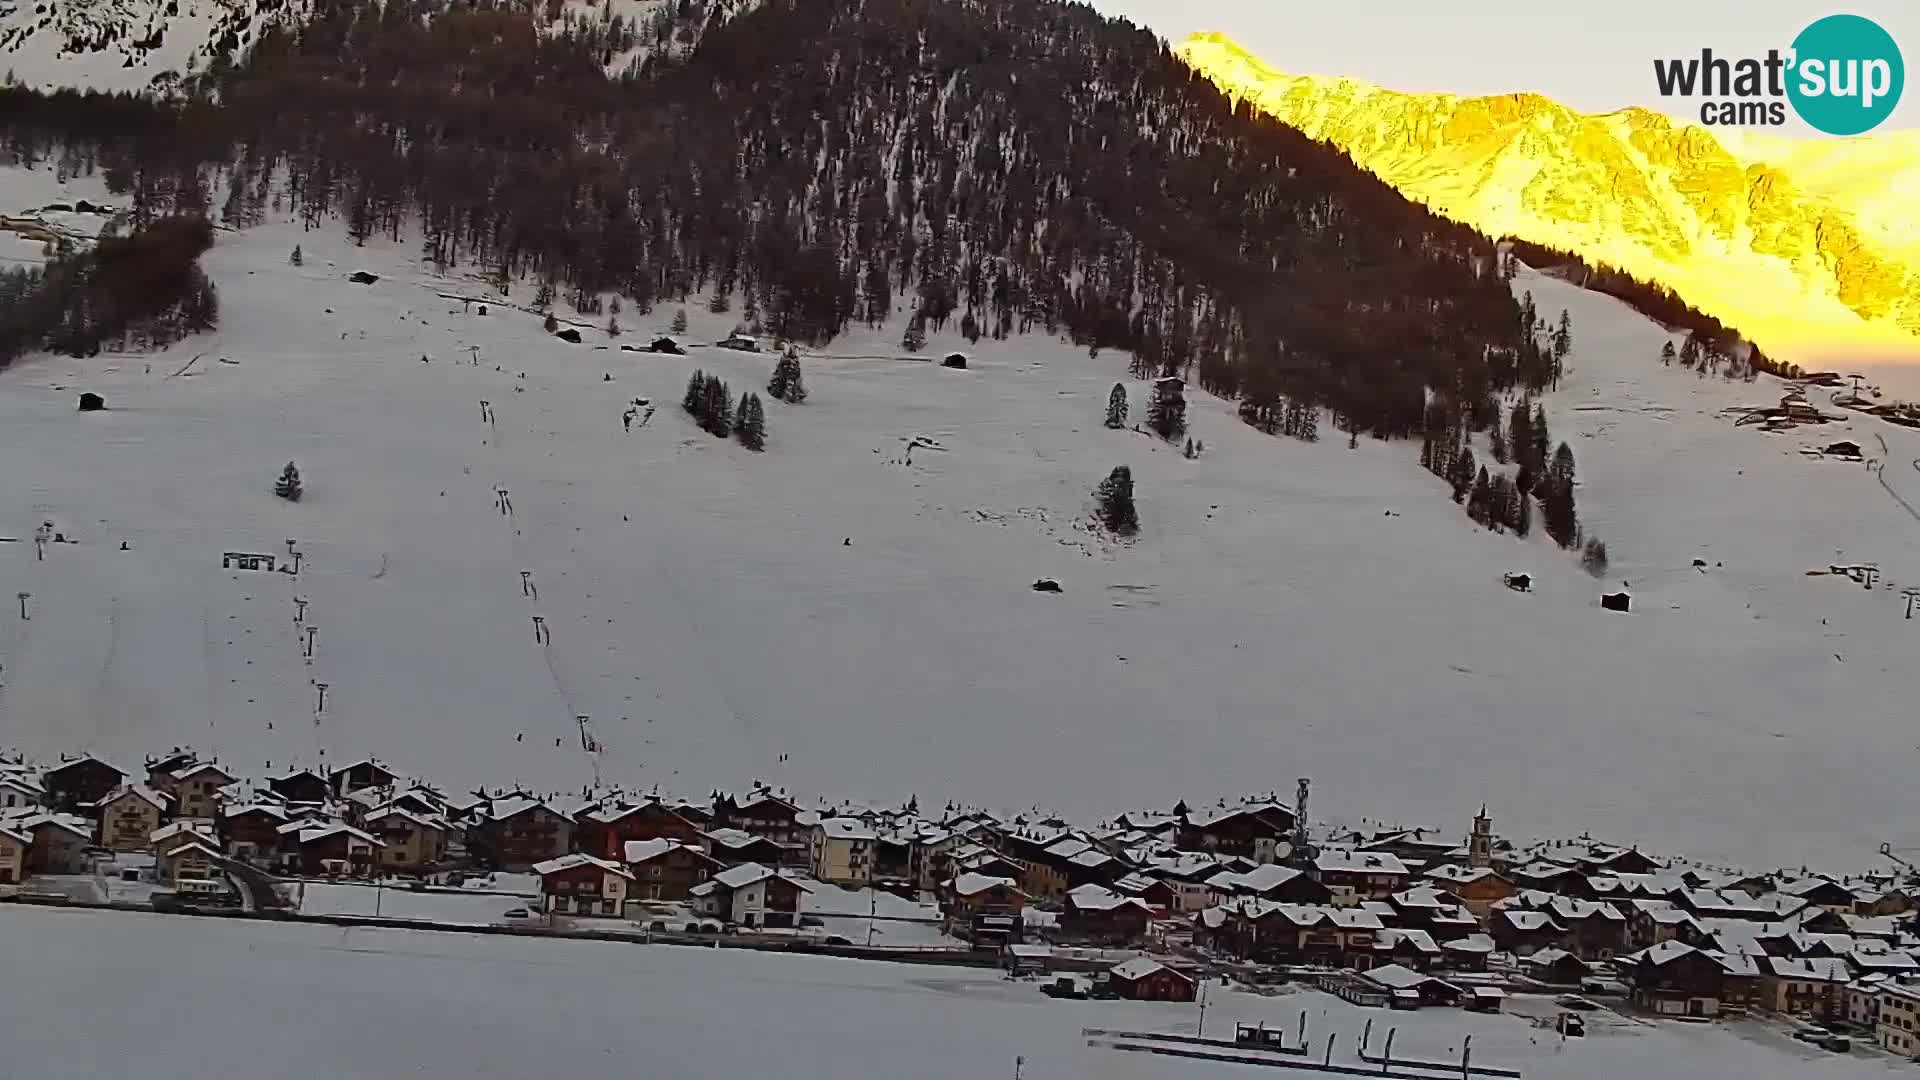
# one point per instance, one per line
(1002, 167)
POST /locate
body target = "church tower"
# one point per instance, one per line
(1480, 842)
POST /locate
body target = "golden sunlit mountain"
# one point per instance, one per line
(1810, 247)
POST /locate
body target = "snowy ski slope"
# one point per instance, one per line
(1289, 609)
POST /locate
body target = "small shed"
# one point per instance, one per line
(91, 402)
(1046, 585)
(568, 334)
(1485, 999)
(741, 342)
(667, 345)
(1518, 582)
(1617, 601)
(361, 277)
(1843, 449)
(954, 360)
(1145, 979)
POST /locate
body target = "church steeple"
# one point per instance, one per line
(1480, 841)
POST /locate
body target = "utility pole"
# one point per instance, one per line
(526, 585)
(540, 630)
(299, 611)
(322, 705)
(24, 597)
(311, 631)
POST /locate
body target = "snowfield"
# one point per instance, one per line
(845, 618)
(360, 1003)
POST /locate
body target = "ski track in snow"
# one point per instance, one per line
(1289, 609)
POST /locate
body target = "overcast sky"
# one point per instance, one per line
(1594, 56)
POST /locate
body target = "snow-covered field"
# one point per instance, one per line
(399, 902)
(830, 617)
(359, 1003)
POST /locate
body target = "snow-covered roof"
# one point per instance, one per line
(1139, 968)
(1395, 977)
(1548, 957)
(1423, 897)
(504, 809)
(204, 767)
(1091, 859)
(1528, 920)
(1472, 943)
(424, 821)
(21, 838)
(734, 838)
(1067, 847)
(197, 847)
(180, 828)
(971, 884)
(1663, 953)
(1266, 877)
(1101, 898)
(160, 800)
(842, 828)
(739, 877)
(1359, 862)
(314, 833)
(640, 851)
(273, 810)
(1566, 908)
(575, 861)
(1419, 939)
(1811, 969)
(1455, 874)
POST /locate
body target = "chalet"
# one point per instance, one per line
(252, 830)
(161, 770)
(1278, 884)
(518, 832)
(301, 786)
(606, 831)
(1409, 948)
(984, 910)
(19, 791)
(1299, 934)
(196, 790)
(13, 856)
(1595, 931)
(752, 896)
(1427, 990)
(179, 834)
(1523, 932)
(330, 849)
(1813, 987)
(365, 773)
(192, 868)
(1479, 888)
(1098, 915)
(411, 842)
(1469, 953)
(1143, 979)
(1897, 1019)
(81, 782)
(731, 847)
(740, 342)
(1041, 857)
(1822, 892)
(766, 814)
(1550, 877)
(1650, 922)
(1354, 876)
(1423, 846)
(666, 869)
(127, 817)
(59, 843)
(1674, 979)
(1261, 831)
(841, 850)
(1556, 967)
(579, 884)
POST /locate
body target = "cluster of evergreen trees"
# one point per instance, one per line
(1113, 503)
(787, 384)
(712, 406)
(144, 290)
(1167, 409)
(1493, 498)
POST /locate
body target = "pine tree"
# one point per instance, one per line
(1557, 503)
(696, 393)
(796, 383)
(777, 382)
(1497, 440)
(1541, 439)
(751, 423)
(551, 324)
(613, 327)
(970, 328)
(1520, 433)
(1666, 354)
(1308, 428)
(722, 300)
(1594, 557)
(296, 258)
(1115, 495)
(1522, 513)
(1563, 336)
(1190, 452)
(1480, 497)
(1167, 409)
(1463, 474)
(680, 321)
(543, 296)
(1117, 407)
(717, 408)
(915, 338)
(288, 486)
(1690, 351)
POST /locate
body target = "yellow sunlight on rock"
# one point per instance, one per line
(1809, 247)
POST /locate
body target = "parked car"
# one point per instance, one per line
(516, 913)
(1066, 986)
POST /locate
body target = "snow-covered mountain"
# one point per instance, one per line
(851, 613)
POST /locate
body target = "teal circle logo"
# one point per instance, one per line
(1847, 75)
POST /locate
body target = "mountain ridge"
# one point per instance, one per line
(1790, 265)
